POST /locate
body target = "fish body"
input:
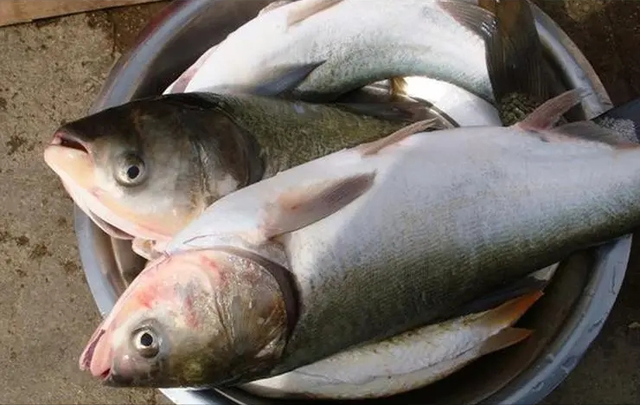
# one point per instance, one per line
(493, 50)
(188, 151)
(405, 362)
(146, 168)
(367, 243)
(359, 41)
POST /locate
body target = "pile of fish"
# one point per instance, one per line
(311, 234)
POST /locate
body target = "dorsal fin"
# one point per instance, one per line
(376, 146)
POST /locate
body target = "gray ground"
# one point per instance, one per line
(51, 71)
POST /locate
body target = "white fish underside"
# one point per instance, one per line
(354, 39)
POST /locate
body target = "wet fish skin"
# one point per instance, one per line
(357, 51)
(451, 232)
(405, 362)
(380, 369)
(191, 149)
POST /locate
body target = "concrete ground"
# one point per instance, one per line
(51, 72)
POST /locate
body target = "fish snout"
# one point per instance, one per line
(67, 139)
(70, 158)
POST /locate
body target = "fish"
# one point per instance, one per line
(364, 244)
(405, 362)
(144, 169)
(176, 211)
(416, 358)
(517, 69)
(517, 72)
(359, 42)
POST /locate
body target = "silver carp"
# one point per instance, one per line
(364, 244)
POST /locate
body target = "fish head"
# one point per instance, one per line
(135, 169)
(198, 318)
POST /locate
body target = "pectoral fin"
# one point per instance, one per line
(400, 111)
(533, 283)
(282, 80)
(305, 205)
(308, 8)
(374, 147)
(503, 339)
(274, 5)
(544, 117)
(511, 311)
(181, 83)
(547, 115)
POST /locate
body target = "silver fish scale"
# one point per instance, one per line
(446, 220)
(355, 40)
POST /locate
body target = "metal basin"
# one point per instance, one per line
(566, 319)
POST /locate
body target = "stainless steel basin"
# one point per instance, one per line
(566, 319)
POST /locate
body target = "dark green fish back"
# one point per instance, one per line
(290, 133)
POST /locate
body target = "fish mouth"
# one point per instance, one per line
(71, 159)
(98, 354)
(97, 357)
(68, 140)
(87, 355)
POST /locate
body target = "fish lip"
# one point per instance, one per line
(87, 355)
(99, 369)
(66, 139)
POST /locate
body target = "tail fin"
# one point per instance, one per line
(515, 60)
(623, 120)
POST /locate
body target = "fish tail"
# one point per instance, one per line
(515, 60)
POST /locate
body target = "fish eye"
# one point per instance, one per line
(131, 171)
(146, 343)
